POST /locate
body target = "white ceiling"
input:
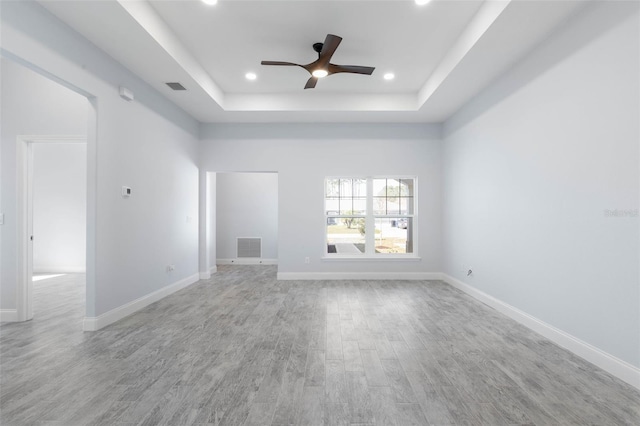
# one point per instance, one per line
(442, 54)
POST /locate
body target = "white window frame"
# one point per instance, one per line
(370, 218)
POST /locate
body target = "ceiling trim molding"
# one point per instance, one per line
(481, 22)
(144, 14)
(315, 131)
(161, 43)
(308, 101)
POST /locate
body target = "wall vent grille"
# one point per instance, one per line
(249, 247)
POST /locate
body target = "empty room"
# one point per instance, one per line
(319, 212)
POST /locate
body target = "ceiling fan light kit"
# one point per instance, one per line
(323, 67)
(320, 73)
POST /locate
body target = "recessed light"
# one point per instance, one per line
(389, 76)
(250, 76)
(210, 2)
(319, 73)
(422, 2)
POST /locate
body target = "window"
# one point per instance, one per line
(346, 208)
(370, 216)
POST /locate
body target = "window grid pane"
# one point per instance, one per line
(392, 215)
(394, 235)
(346, 196)
(346, 235)
(333, 188)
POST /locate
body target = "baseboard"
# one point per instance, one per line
(60, 270)
(615, 366)
(8, 315)
(207, 275)
(101, 321)
(247, 261)
(359, 276)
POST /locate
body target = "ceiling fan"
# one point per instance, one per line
(322, 67)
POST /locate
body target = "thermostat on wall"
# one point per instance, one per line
(126, 192)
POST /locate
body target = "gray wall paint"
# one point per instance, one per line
(149, 144)
(59, 206)
(303, 155)
(247, 206)
(530, 168)
(31, 105)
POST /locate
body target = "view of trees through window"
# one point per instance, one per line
(346, 207)
(369, 215)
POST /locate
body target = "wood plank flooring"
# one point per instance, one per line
(246, 349)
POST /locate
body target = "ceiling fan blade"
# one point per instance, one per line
(311, 83)
(329, 47)
(290, 64)
(354, 69)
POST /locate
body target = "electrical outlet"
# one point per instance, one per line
(171, 268)
(306, 260)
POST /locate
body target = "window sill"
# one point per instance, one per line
(364, 258)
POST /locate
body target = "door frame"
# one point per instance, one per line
(24, 216)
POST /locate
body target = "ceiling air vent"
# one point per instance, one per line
(249, 247)
(176, 86)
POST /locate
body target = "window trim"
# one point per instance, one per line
(370, 216)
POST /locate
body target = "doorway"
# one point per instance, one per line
(245, 218)
(54, 218)
(40, 109)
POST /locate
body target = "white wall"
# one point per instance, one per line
(247, 206)
(31, 105)
(304, 154)
(530, 168)
(59, 206)
(149, 145)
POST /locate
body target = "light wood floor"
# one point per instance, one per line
(246, 349)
